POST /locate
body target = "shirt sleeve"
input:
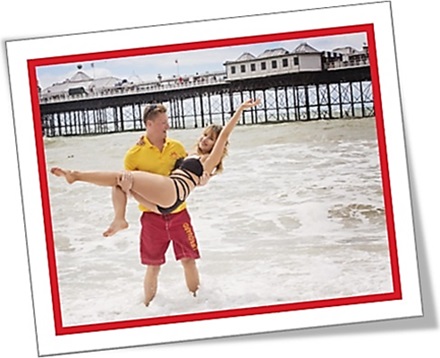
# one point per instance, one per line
(130, 158)
(181, 150)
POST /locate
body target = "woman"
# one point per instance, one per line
(203, 148)
(164, 193)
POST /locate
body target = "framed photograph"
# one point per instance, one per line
(309, 223)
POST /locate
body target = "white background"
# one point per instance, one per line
(414, 31)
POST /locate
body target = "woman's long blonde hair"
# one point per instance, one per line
(214, 130)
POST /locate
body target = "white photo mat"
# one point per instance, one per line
(404, 301)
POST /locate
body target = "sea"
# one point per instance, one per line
(297, 216)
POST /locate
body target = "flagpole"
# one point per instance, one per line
(177, 65)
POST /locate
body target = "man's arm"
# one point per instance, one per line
(204, 179)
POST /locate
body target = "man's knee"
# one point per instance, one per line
(153, 270)
(188, 263)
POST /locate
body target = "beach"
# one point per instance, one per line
(297, 216)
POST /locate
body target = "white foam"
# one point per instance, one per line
(297, 215)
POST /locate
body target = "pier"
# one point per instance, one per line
(294, 86)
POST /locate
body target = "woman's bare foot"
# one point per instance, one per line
(67, 174)
(115, 226)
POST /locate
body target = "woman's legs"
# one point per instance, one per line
(155, 188)
(145, 203)
(119, 199)
(98, 178)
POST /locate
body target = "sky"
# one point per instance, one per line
(184, 63)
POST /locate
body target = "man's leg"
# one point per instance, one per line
(191, 275)
(185, 247)
(150, 283)
(154, 242)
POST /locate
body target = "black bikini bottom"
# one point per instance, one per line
(182, 187)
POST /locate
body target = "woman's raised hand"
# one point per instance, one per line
(250, 103)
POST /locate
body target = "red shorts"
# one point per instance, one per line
(159, 230)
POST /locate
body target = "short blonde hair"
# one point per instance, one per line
(151, 111)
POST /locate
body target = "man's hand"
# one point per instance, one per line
(141, 141)
(125, 182)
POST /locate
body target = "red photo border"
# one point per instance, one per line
(60, 329)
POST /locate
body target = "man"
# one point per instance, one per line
(158, 154)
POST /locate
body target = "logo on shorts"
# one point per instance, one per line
(190, 235)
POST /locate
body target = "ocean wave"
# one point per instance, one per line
(357, 213)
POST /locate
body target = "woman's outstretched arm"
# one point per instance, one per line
(217, 152)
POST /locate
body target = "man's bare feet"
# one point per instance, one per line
(147, 300)
(67, 174)
(115, 226)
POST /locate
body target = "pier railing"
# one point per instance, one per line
(175, 83)
(180, 83)
(344, 92)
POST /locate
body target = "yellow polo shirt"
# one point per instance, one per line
(149, 158)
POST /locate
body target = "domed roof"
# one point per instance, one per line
(274, 52)
(246, 56)
(80, 76)
(305, 48)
